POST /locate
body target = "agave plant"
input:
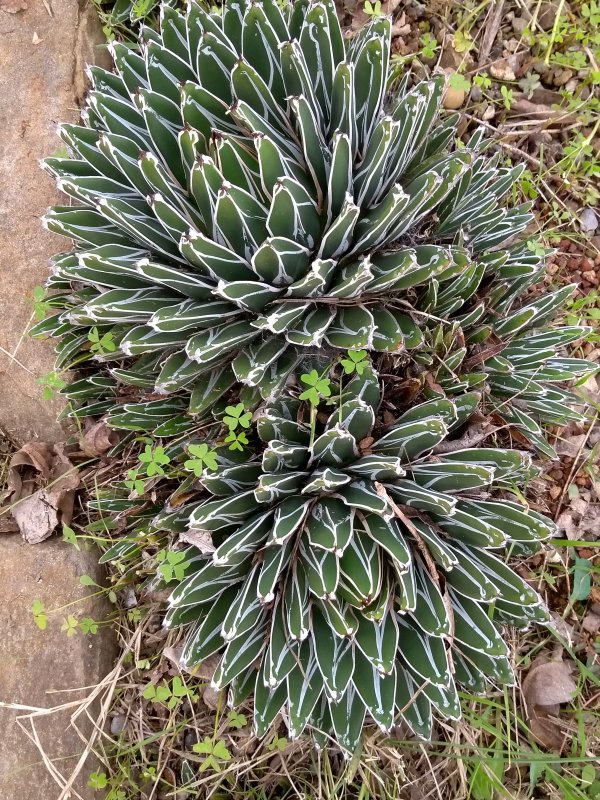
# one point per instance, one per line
(354, 572)
(251, 193)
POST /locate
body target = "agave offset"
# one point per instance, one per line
(251, 193)
(354, 573)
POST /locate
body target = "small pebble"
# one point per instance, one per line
(117, 723)
(588, 220)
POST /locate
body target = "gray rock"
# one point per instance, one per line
(40, 85)
(588, 220)
(45, 669)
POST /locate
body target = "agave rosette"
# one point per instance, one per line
(250, 193)
(354, 573)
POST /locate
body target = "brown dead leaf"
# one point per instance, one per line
(98, 439)
(548, 683)
(13, 6)
(200, 539)
(42, 483)
(591, 623)
(8, 525)
(211, 698)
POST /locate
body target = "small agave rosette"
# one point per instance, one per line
(356, 574)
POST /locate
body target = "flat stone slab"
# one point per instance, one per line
(47, 668)
(42, 61)
(42, 58)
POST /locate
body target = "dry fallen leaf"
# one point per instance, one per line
(200, 539)
(42, 483)
(547, 685)
(98, 439)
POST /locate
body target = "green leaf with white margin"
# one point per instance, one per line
(289, 516)
(446, 477)
(378, 467)
(304, 685)
(245, 611)
(316, 152)
(378, 641)
(297, 619)
(413, 705)
(311, 328)
(280, 261)
(516, 523)
(271, 488)
(275, 559)
(352, 280)
(205, 639)
(214, 344)
(470, 528)
(329, 525)
(497, 669)
(334, 448)
(281, 456)
(409, 439)
(469, 579)
(410, 494)
(355, 416)
(239, 655)
(343, 112)
(325, 480)
(371, 77)
(348, 716)
(340, 176)
(364, 495)
(361, 568)
(210, 388)
(425, 654)
(245, 541)
(335, 656)
(388, 535)
(216, 514)
(509, 586)
(473, 627)
(352, 329)
(215, 260)
(293, 214)
(240, 220)
(322, 569)
(260, 46)
(430, 612)
(267, 704)
(338, 237)
(280, 657)
(377, 691)
(190, 314)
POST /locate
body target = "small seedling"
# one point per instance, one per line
(236, 720)
(318, 387)
(278, 743)
(134, 483)
(215, 752)
(171, 564)
(69, 625)
(51, 382)
(101, 344)
(357, 361)
(39, 615)
(203, 458)
(88, 625)
(237, 417)
(98, 780)
(238, 440)
(154, 459)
